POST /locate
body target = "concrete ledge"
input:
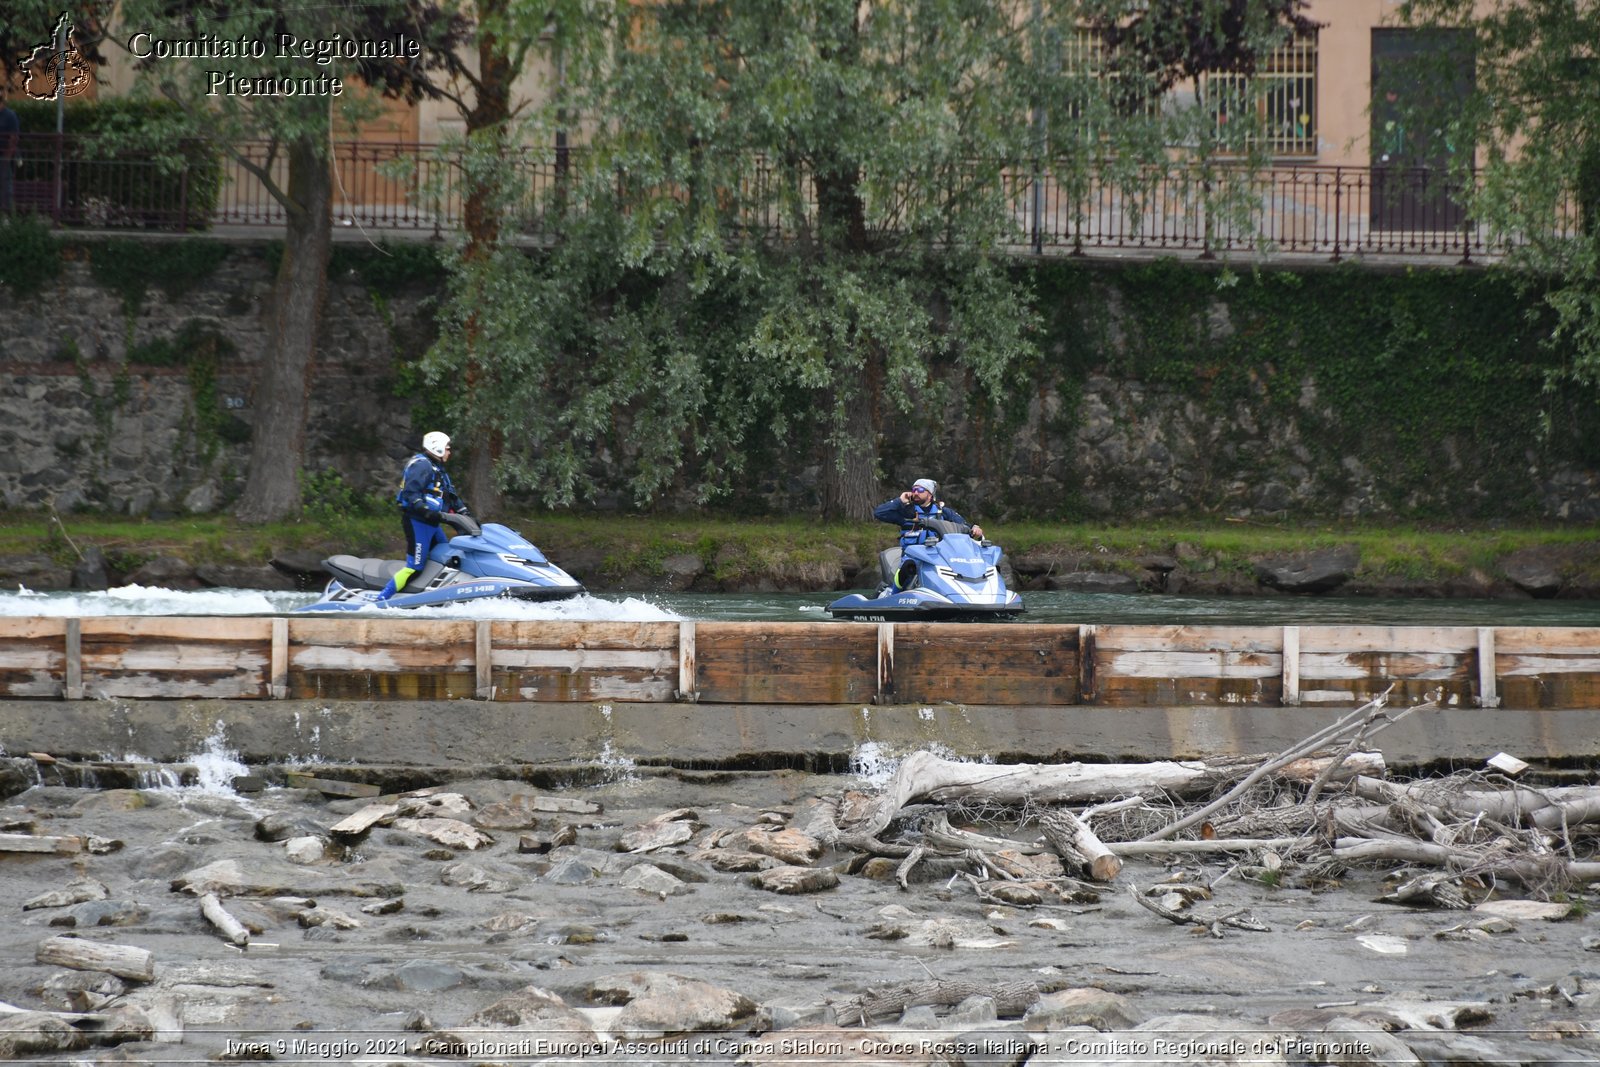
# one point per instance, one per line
(704, 736)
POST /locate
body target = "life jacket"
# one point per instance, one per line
(433, 493)
(916, 535)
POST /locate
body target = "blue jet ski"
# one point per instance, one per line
(947, 577)
(487, 561)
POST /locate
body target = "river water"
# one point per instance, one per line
(1043, 607)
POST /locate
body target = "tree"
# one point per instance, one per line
(1533, 115)
(490, 162)
(807, 156)
(285, 71)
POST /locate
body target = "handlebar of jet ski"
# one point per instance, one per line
(464, 523)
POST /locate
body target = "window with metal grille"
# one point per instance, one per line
(1283, 91)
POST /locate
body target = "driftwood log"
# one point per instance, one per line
(124, 961)
(1077, 845)
(217, 915)
(924, 775)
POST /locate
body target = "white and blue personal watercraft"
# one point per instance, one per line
(949, 577)
(487, 561)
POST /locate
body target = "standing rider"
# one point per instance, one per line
(908, 510)
(425, 495)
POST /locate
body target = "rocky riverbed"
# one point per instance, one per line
(675, 917)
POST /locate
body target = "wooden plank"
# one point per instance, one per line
(393, 684)
(1548, 640)
(32, 627)
(483, 659)
(1142, 638)
(986, 663)
(534, 633)
(72, 687)
(687, 688)
(581, 660)
(791, 663)
(566, 687)
(1217, 664)
(1522, 664)
(1088, 652)
(33, 656)
(330, 786)
(1488, 690)
(131, 629)
(1291, 665)
(885, 694)
(29, 843)
(278, 680)
(1419, 639)
(1350, 666)
(1265, 689)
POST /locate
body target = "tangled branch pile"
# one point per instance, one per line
(1324, 804)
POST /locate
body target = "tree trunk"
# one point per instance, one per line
(486, 125)
(850, 468)
(277, 448)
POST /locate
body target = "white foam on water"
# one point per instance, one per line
(138, 600)
(875, 762)
(151, 600)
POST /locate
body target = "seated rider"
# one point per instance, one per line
(425, 495)
(908, 510)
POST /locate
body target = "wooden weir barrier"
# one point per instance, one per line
(294, 658)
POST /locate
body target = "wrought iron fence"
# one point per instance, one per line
(1299, 210)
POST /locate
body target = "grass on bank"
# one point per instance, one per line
(732, 548)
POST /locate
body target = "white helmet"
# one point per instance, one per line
(435, 443)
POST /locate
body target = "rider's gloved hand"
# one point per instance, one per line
(977, 533)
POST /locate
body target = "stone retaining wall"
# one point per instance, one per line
(84, 427)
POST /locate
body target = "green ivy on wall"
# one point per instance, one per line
(1430, 376)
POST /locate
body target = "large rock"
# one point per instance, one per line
(796, 880)
(662, 1004)
(1091, 582)
(26, 1032)
(245, 576)
(89, 574)
(552, 1027)
(1314, 572)
(790, 846)
(1536, 571)
(1087, 1006)
(165, 572)
(38, 573)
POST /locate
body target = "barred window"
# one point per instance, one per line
(1284, 95)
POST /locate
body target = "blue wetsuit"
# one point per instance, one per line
(906, 516)
(425, 494)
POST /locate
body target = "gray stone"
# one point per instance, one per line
(244, 576)
(994, 1048)
(1087, 1006)
(795, 880)
(1534, 572)
(569, 872)
(165, 572)
(1092, 582)
(1314, 572)
(38, 573)
(648, 878)
(105, 913)
(974, 1011)
(661, 1004)
(1346, 1042)
(421, 976)
(26, 1033)
(89, 573)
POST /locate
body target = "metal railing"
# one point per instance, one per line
(1331, 212)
